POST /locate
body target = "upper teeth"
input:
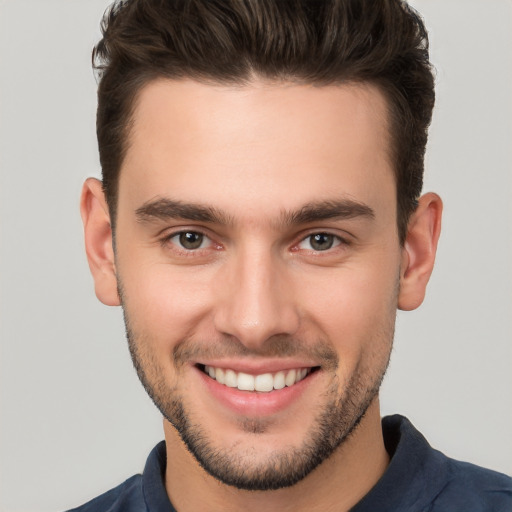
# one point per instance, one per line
(264, 382)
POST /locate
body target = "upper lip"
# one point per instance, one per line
(258, 367)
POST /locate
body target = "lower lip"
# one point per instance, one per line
(254, 403)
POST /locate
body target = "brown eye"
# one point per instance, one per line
(190, 240)
(320, 242)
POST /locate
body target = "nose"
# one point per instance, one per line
(255, 299)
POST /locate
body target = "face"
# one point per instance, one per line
(258, 262)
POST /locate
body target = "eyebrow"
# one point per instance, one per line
(325, 210)
(167, 209)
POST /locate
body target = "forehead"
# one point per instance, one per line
(266, 145)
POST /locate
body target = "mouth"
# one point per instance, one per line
(263, 383)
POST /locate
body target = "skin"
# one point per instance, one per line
(257, 155)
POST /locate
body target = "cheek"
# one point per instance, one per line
(163, 303)
(356, 311)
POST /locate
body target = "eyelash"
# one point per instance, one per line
(183, 250)
(336, 242)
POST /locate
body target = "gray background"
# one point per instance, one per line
(74, 419)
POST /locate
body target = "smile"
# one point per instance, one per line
(264, 382)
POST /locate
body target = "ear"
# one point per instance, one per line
(98, 241)
(419, 251)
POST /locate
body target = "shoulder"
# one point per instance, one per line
(421, 478)
(139, 493)
(470, 487)
(126, 497)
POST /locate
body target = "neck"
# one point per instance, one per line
(337, 484)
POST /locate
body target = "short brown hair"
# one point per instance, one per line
(381, 42)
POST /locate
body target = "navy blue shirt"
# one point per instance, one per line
(418, 479)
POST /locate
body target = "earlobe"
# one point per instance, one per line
(98, 241)
(419, 251)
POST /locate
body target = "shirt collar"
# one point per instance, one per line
(415, 475)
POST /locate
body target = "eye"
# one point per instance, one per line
(190, 240)
(319, 242)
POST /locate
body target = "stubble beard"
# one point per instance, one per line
(342, 412)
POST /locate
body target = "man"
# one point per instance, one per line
(260, 222)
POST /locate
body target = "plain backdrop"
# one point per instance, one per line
(74, 419)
